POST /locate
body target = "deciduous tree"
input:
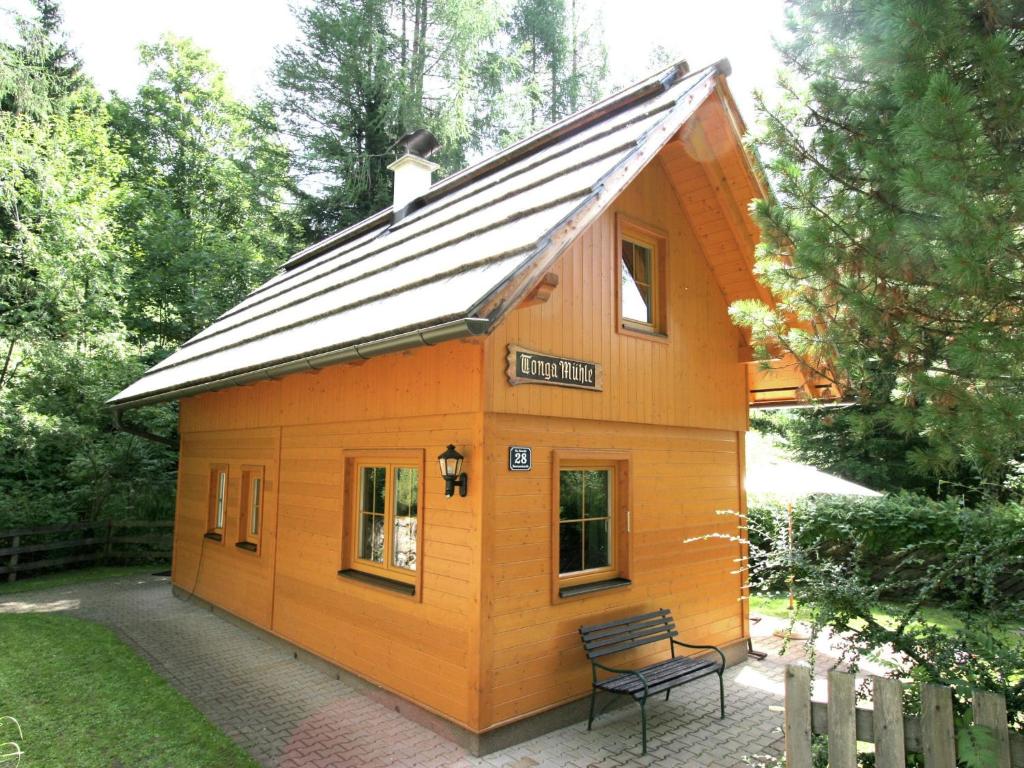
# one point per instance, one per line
(205, 217)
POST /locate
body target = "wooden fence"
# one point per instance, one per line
(893, 733)
(54, 547)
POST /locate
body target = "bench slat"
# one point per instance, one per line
(627, 620)
(626, 628)
(661, 677)
(625, 634)
(626, 644)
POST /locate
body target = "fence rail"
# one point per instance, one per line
(78, 543)
(893, 733)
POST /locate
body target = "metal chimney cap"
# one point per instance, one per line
(421, 143)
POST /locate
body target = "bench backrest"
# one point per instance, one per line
(632, 632)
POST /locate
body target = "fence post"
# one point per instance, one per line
(842, 721)
(798, 716)
(108, 544)
(937, 734)
(13, 560)
(990, 711)
(887, 723)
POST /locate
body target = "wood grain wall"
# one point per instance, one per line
(483, 644)
(424, 648)
(678, 407)
(679, 477)
(693, 380)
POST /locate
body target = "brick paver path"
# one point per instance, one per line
(288, 714)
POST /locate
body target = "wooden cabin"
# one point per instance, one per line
(558, 314)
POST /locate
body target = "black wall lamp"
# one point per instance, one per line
(451, 471)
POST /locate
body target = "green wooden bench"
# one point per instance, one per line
(601, 640)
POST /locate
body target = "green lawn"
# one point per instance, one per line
(84, 699)
(778, 607)
(77, 576)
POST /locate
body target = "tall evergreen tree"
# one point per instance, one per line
(205, 217)
(363, 73)
(899, 228)
(557, 63)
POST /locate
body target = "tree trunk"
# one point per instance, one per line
(7, 364)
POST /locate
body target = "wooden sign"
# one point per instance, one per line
(520, 458)
(528, 367)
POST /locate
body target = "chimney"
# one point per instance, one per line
(413, 170)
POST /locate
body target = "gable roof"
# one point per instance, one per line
(477, 243)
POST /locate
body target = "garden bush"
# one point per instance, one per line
(855, 560)
(896, 541)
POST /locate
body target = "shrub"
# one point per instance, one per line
(855, 559)
(897, 541)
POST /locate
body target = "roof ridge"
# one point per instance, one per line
(661, 81)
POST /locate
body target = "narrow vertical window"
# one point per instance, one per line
(250, 517)
(637, 283)
(407, 492)
(641, 261)
(585, 520)
(218, 502)
(222, 492)
(254, 508)
(372, 499)
(590, 522)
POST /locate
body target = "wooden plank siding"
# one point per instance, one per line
(484, 642)
(303, 426)
(693, 380)
(676, 406)
(679, 478)
(237, 580)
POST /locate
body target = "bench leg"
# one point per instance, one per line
(667, 693)
(593, 696)
(643, 725)
(721, 694)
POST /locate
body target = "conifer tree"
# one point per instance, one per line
(365, 72)
(898, 230)
(555, 66)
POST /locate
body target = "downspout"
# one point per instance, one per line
(145, 434)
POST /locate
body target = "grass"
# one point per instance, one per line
(778, 607)
(77, 576)
(83, 699)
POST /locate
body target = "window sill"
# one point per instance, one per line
(248, 546)
(212, 536)
(643, 333)
(593, 586)
(378, 581)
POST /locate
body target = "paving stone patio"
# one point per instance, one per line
(289, 714)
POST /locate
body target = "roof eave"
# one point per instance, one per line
(452, 330)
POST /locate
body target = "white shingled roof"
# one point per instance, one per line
(449, 269)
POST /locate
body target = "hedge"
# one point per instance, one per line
(904, 535)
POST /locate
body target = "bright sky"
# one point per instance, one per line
(242, 35)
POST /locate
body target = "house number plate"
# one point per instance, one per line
(520, 459)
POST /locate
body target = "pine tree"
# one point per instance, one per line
(556, 64)
(365, 72)
(898, 232)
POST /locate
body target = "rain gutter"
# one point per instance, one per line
(425, 337)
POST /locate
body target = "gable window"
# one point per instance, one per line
(218, 502)
(590, 528)
(637, 283)
(383, 523)
(641, 283)
(250, 519)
